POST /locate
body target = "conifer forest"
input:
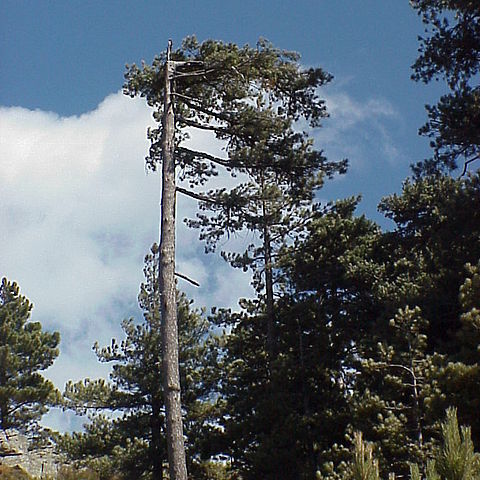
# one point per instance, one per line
(358, 354)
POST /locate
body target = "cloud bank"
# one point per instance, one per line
(78, 213)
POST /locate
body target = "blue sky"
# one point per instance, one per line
(78, 213)
(66, 57)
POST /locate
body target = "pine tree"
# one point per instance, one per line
(459, 380)
(395, 403)
(272, 205)
(364, 466)
(470, 301)
(409, 365)
(456, 460)
(133, 441)
(406, 363)
(25, 350)
(282, 432)
(450, 51)
(247, 97)
(437, 235)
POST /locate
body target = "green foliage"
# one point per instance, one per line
(280, 420)
(250, 98)
(456, 460)
(450, 50)
(372, 335)
(25, 349)
(132, 442)
(396, 408)
(352, 329)
(437, 234)
(214, 80)
(364, 466)
(470, 301)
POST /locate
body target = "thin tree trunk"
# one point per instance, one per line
(269, 294)
(267, 250)
(306, 405)
(416, 407)
(171, 376)
(156, 428)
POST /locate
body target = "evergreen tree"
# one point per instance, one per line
(456, 460)
(470, 301)
(249, 98)
(409, 366)
(437, 233)
(402, 319)
(25, 350)
(133, 441)
(281, 420)
(364, 466)
(451, 51)
(395, 402)
(459, 379)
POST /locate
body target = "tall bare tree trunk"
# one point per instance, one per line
(171, 375)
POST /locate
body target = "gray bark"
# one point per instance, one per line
(171, 375)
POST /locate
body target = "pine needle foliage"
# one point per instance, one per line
(457, 459)
(25, 351)
(364, 467)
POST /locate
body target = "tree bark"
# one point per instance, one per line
(267, 251)
(156, 447)
(171, 375)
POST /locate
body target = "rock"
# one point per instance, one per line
(15, 451)
(13, 473)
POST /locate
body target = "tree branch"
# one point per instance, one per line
(197, 196)
(184, 277)
(207, 111)
(207, 156)
(201, 126)
(467, 162)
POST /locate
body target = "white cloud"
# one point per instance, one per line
(357, 130)
(78, 215)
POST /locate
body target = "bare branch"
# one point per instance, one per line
(184, 277)
(396, 365)
(206, 156)
(467, 162)
(193, 74)
(201, 126)
(196, 196)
